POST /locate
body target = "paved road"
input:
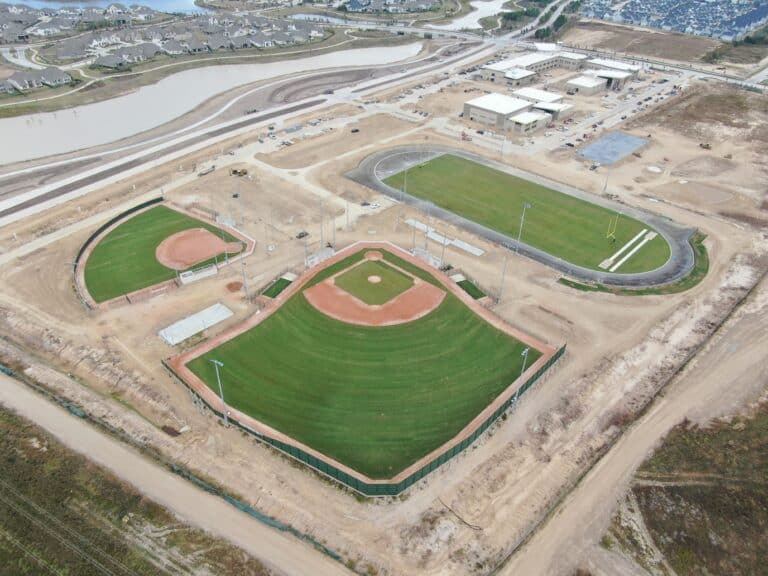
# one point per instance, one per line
(27, 203)
(393, 160)
(285, 553)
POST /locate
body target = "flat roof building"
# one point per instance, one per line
(614, 79)
(614, 64)
(557, 110)
(494, 109)
(586, 85)
(536, 95)
(527, 122)
(518, 77)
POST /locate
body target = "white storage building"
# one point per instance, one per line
(494, 109)
(527, 122)
(586, 85)
(537, 95)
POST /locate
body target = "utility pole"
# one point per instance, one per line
(216, 366)
(522, 221)
(442, 253)
(503, 274)
(524, 354)
(245, 281)
(322, 244)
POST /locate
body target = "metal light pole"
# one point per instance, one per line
(524, 354)
(245, 281)
(442, 253)
(522, 221)
(503, 273)
(322, 244)
(216, 366)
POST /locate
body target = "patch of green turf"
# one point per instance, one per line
(471, 289)
(355, 281)
(563, 226)
(277, 286)
(375, 399)
(699, 271)
(124, 260)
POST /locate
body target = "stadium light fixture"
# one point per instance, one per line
(216, 366)
(526, 205)
(524, 354)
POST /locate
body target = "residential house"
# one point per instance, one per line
(110, 61)
(26, 80)
(53, 77)
(173, 47)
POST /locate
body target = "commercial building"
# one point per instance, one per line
(607, 64)
(536, 62)
(614, 79)
(494, 109)
(586, 85)
(558, 110)
(527, 122)
(536, 95)
(515, 77)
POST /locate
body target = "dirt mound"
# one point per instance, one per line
(702, 166)
(235, 286)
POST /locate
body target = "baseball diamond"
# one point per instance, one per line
(372, 399)
(151, 247)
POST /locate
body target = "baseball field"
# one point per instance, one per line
(564, 226)
(374, 398)
(125, 259)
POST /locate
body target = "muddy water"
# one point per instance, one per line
(45, 134)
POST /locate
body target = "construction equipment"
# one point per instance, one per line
(705, 145)
(238, 172)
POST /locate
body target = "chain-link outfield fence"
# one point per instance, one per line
(383, 488)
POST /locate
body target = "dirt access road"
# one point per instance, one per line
(176, 494)
(731, 370)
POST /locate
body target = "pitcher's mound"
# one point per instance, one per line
(189, 247)
(374, 279)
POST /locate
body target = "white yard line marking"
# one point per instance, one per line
(608, 261)
(648, 237)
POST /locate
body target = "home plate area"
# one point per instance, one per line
(374, 293)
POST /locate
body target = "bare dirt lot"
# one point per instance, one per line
(469, 515)
(640, 41)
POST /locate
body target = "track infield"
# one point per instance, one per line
(562, 225)
(372, 401)
(125, 259)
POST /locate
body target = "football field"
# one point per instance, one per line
(564, 226)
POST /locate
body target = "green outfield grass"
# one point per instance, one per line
(563, 226)
(375, 399)
(124, 260)
(355, 281)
